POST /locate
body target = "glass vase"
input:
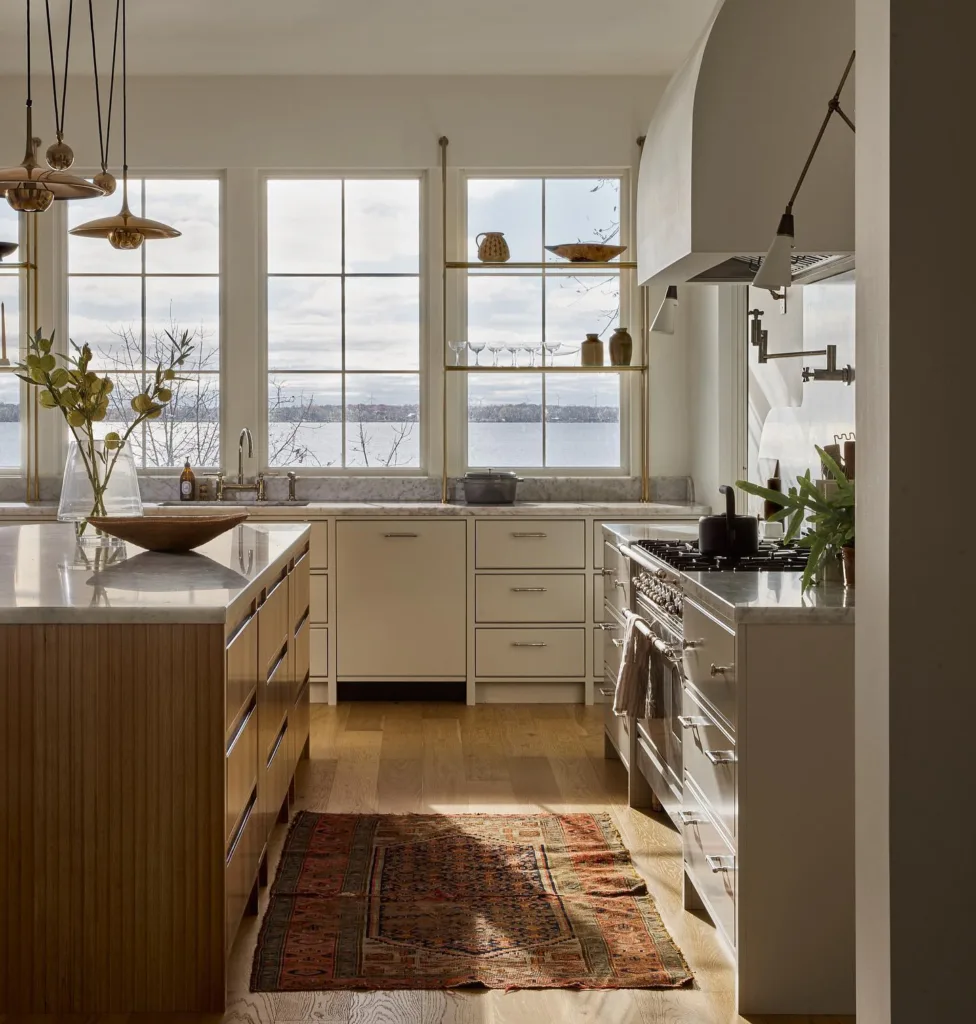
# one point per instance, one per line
(98, 481)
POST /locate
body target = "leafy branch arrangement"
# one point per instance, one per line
(831, 520)
(83, 398)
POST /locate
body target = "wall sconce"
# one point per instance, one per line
(760, 339)
(663, 322)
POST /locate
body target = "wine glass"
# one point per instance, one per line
(512, 348)
(495, 347)
(477, 347)
(552, 349)
(458, 348)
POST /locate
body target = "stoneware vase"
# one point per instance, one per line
(492, 247)
(621, 347)
(591, 351)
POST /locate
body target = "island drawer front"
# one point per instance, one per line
(298, 723)
(242, 669)
(709, 661)
(274, 629)
(301, 654)
(613, 641)
(530, 598)
(616, 581)
(710, 758)
(240, 872)
(274, 700)
(300, 587)
(530, 544)
(319, 548)
(617, 728)
(710, 861)
(277, 776)
(530, 653)
(241, 767)
(319, 597)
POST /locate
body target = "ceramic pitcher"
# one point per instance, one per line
(494, 248)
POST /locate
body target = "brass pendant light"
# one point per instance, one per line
(30, 188)
(125, 230)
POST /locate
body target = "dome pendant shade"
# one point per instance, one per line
(27, 185)
(125, 230)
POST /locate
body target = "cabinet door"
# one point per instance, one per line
(400, 597)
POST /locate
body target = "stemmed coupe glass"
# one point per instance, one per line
(495, 347)
(477, 347)
(458, 348)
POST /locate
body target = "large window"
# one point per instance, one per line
(128, 305)
(9, 385)
(343, 325)
(536, 318)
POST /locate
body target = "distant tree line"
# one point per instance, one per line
(9, 413)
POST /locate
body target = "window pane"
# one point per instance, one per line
(583, 419)
(504, 312)
(582, 210)
(192, 206)
(305, 226)
(504, 420)
(512, 206)
(9, 420)
(304, 323)
(189, 427)
(106, 312)
(382, 323)
(580, 304)
(383, 227)
(304, 419)
(96, 255)
(10, 297)
(178, 304)
(383, 420)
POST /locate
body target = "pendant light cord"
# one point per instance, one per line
(59, 111)
(104, 140)
(125, 94)
(30, 101)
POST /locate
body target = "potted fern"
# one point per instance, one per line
(829, 520)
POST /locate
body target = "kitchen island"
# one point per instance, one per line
(152, 712)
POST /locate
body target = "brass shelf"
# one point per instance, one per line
(545, 369)
(18, 266)
(570, 267)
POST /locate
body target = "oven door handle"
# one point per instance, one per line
(662, 648)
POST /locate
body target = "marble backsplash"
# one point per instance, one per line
(361, 488)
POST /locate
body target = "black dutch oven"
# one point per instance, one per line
(728, 535)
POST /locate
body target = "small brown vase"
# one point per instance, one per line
(621, 347)
(591, 351)
(848, 557)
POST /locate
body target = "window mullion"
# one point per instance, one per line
(342, 319)
(543, 340)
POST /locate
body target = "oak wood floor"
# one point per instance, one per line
(399, 758)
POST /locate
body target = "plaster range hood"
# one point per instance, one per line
(727, 141)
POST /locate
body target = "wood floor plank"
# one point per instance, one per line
(399, 786)
(443, 766)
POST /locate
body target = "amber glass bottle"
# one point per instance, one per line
(187, 483)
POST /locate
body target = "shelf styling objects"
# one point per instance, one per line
(829, 520)
(84, 399)
(7, 249)
(172, 534)
(586, 252)
(591, 351)
(492, 247)
(124, 230)
(621, 347)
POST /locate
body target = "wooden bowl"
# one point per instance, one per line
(587, 252)
(175, 534)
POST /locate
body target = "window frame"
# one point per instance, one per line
(196, 174)
(629, 314)
(15, 350)
(421, 176)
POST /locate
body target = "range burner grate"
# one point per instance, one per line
(684, 555)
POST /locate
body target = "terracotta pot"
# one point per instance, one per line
(492, 247)
(848, 556)
(621, 347)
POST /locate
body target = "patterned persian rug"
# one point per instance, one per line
(430, 901)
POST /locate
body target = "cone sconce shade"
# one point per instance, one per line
(664, 320)
(776, 270)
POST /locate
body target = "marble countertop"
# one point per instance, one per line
(47, 577)
(542, 509)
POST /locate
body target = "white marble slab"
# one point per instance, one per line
(46, 576)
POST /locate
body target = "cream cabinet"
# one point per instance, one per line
(401, 599)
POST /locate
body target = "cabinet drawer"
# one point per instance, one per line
(241, 869)
(530, 598)
(616, 578)
(242, 668)
(274, 629)
(241, 767)
(530, 544)
(319, 548)
(318, 651)
(274, 699)
(710, 861)
(299, 588)
(710, 758)
(613, 642)
(709, 661)
(277, 775)
(298, 723)
(319, 598)
(529, 653)
(301, 654)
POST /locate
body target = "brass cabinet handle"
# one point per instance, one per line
(523, 643)
(617, 643)
(717, 864)
(607, 625)
(692, 818)
(716, 670)
(620, 583)
(528, 590)
(524, 535)
(690, 721)
(605, 692)
(391, 536)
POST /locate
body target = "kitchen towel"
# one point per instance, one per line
(630, 694)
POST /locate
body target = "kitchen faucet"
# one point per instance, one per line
(257, 486)
(245, 433)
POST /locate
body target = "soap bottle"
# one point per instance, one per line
(187, 480)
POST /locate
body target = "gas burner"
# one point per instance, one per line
(684, 555)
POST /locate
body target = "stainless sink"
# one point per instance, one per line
(235, 504)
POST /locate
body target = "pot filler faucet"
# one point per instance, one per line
(760, 339)
(257, 486)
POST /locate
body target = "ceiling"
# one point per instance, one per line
(372, 37)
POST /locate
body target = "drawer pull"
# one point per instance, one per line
(717, 864)
(281, 579)
(716, 670)
(240, 729)
(277, 744)
(691, 645)
(282, 654)
(524, 643)
(605, 691)
(721, 756)
(245, 817)
(618, 643)
(620, 583)
(607, 572)
(692, 818)
(606, 626)
(523, 536)
(692, 721)
(529, 590)
(240, 629)
(393, 536)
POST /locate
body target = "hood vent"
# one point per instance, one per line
(728, 139)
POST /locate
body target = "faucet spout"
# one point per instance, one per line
(245, 435)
